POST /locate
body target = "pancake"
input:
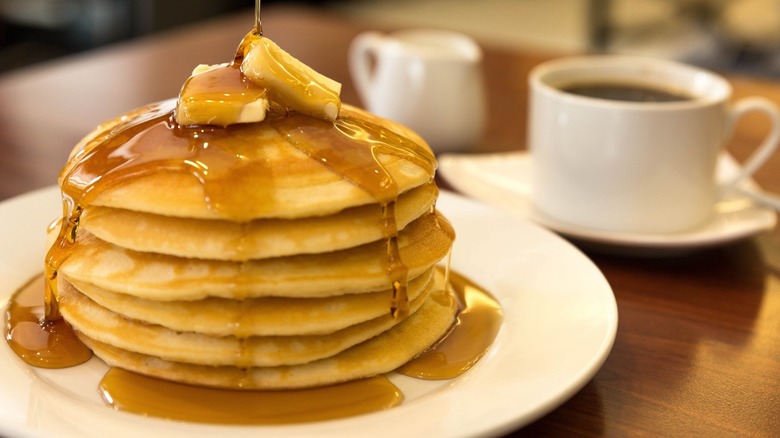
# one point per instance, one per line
(254, 171)
(421, 245)
(286, 245)
(253, 316)
(378, 355)
(263, 238)
(111, 328)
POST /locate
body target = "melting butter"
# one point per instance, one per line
(291, 83)
(242, 91)
(220, 95)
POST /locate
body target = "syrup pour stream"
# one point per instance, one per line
(258, 21)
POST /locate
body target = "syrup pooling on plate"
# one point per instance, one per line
(477, 325)
(130, 392)
(40, 342)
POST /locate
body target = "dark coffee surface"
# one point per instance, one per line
(625, 92)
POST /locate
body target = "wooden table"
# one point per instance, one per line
(698, 346)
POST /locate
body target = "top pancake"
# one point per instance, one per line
(273, 169)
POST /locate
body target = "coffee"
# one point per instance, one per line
(625, 92)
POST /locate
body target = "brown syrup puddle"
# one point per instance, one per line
(131, 392)
(472, 334)
(474, 330)
(40, 342)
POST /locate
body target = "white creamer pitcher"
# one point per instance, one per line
(429, 80)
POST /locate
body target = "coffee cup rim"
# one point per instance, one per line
(705, 87)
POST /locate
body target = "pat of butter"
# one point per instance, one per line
(226, 94)
(220, 95)
(290, 82)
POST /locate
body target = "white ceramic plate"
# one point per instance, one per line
(503, 180)
(560, 320)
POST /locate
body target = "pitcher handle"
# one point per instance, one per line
(363, 56)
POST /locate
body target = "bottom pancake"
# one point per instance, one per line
(378, 355)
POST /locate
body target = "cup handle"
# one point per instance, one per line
(363, 49)
(765, 150)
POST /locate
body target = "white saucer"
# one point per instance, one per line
(503, 180)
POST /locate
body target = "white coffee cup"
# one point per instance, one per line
(635, 167)
(429, 80)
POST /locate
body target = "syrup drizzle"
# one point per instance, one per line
(149, 141)
(359, 164)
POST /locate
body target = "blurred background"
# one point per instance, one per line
(733, 35)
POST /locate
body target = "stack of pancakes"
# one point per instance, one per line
(256, 279)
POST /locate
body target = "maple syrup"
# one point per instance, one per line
(40, 342)
(131, 392)
(258, 29)
(357, 162)
(219, 157)
(477, 324)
